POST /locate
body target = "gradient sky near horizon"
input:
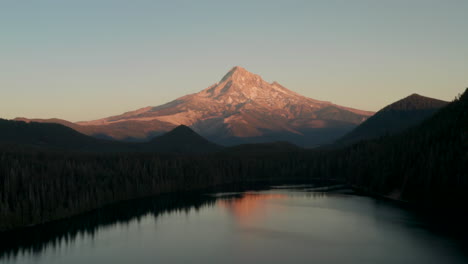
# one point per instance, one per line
(88, 59)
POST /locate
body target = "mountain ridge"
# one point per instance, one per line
(223, 92)
(241, 107)
(181, 139)
(394, 118)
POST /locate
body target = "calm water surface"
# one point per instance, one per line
(279, 225)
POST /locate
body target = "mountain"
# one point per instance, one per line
(240, 108)
(394, 118)
(182, 139)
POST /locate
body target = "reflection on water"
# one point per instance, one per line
(279, 225)
(33, 241)
(248, 206)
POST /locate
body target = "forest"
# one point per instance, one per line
(426, 165)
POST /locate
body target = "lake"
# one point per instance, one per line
(280, 224)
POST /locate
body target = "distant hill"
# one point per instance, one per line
(182, 139)
(56, 136)
(52, 136)
(394, 118)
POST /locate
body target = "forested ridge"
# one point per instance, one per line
(426, 165)
(39, 186)
(52, 136)
(394, 118)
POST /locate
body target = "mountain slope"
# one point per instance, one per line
(394, 118)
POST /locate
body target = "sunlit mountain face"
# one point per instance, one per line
(240, 108)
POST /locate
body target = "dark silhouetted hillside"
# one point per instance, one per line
(121, 130)
(56, 136)
(182, 139)
(53, 136)
(395, 118)
(427, 164)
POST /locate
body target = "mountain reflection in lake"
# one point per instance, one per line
(279, 225)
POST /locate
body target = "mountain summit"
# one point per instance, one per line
(415, 102)
(240, 86)
(240, 108)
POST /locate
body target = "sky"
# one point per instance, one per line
(89, 59)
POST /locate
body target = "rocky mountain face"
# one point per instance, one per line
(394, 118)
(240, 108)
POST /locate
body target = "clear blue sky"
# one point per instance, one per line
(87, 59)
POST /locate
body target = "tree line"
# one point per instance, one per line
(39, 186)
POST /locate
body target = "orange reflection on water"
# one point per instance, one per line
(249, 207)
